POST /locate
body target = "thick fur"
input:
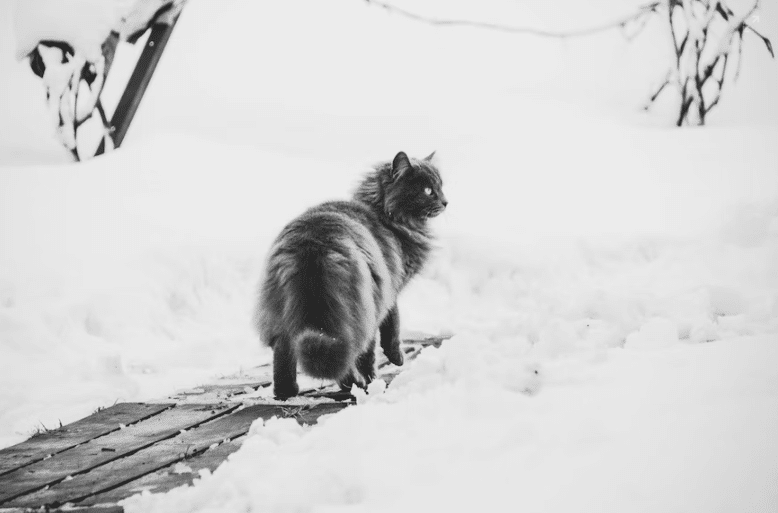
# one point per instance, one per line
(333, 275)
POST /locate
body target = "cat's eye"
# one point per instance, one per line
(428, 191)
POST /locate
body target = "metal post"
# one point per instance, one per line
(136, 87)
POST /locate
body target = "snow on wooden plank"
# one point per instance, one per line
(217, 393)
(56, 441)
(310, 414)
(386, 372)
(168, 452)
(100, 451)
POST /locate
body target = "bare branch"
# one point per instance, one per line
(726, 12)
(620, 23)
(684, 111)
(661, 88)
(720, 80)
(713, 103)
(710, 67)
(766, 41)
(739, 57)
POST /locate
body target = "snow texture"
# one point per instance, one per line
(610, 283)
(84, 24)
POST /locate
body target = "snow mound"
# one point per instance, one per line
(84, 24)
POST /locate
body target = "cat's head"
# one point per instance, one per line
(406, 190)
(414, 189)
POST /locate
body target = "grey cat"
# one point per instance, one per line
(333, 275)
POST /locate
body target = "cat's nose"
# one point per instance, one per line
(445, 202)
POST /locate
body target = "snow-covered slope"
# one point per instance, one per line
(687, 428)
(633, 266)
(131, 276)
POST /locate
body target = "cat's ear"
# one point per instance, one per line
(429, 157)
(400, 165)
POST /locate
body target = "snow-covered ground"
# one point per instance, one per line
(611, 282)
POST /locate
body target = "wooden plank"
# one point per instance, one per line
(101, 509)
(231, 390)
(56, 441)
(429, 341)
(103, 450)
(329, 391)
(310, 414)
(113, 464)
(166, 479)
(210, 394)
(150, 459)
(163, 454)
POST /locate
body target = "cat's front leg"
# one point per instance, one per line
(284, 369)
(390, 337)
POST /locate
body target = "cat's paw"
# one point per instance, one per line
(394, 354)
(352, 379)
(283, 391)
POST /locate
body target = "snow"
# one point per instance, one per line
(85, 24)
(610, 282)
(595, 438)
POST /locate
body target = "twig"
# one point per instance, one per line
(654, 96)
(739, 54)
(642, 11)
(726, 12)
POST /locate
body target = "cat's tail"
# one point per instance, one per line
(330, 304)
(322, 356)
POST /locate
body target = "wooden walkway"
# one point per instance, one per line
(129, 447)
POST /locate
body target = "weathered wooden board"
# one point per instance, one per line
(166, 479)
(56, 441)
(90, 509)
(237, 389)
(166, 453)
(159, 455)
(212, 394)
(107, 464)
(100, 451)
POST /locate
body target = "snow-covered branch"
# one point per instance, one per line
(73, 55)
(704, 34)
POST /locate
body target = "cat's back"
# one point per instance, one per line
(340, 234)
(336, 253)
(333, 223)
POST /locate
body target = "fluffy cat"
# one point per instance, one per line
(333, 275)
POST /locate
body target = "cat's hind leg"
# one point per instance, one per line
(390, 337)
(284, 368)
(366, 363)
